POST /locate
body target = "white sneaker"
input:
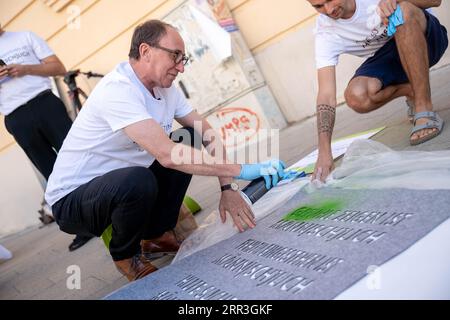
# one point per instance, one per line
(5, 254)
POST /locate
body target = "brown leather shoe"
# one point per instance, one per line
(167, 244)
(135, 268)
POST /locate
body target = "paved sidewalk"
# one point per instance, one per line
(38, 269)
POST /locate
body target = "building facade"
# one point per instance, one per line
(276, 38)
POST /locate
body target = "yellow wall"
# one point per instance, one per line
(6, 140)
(264, 22)
(103, 23)
(106, 26)
(279, 33)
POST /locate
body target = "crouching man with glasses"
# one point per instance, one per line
(118, 166)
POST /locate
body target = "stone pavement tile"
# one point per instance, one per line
(51, 262)
(32, 284)
(99, 264)
(6, 274)
(103, 292)
(7, 289)
(27, 278)
(9, 292)
(89, 286)
(30, 244)
(29, 266)
(59, 291)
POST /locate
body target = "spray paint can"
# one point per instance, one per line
(257, 188)
(254, 191)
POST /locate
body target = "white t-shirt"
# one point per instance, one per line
(361, 35)
(96, 143)
(22, 48)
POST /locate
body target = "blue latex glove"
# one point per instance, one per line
(272, 171)
(395, 20)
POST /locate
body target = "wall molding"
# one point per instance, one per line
(57, 5)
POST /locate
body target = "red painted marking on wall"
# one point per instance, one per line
(238, 124)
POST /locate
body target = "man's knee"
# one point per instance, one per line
(139, 183)
(187, 136)
(412, 13)
(357, 99)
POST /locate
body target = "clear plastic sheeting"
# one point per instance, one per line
(212, 230)
(369, 164)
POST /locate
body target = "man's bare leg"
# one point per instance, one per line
(364, 94)
(415, 61)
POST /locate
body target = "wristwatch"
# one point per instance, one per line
(232, 186)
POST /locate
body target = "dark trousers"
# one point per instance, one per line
(140, 203)
(40, 127)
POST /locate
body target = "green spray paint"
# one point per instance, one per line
(315, 211)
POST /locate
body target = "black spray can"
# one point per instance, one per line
(257, 188)
(254, 190)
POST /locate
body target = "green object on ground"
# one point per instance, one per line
(315, 211)
(107, 235)
(308, 169)
(190, 203)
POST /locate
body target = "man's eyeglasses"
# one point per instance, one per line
(178, 56)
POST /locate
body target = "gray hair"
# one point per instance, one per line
(149, 32)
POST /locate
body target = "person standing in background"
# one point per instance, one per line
(34, 116)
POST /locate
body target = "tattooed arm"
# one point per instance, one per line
(326, 114)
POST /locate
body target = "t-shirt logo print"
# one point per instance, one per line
(167, 127)
(18, 56)
(379, 31)
(138, 147)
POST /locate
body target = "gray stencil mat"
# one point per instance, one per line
(335, 237)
